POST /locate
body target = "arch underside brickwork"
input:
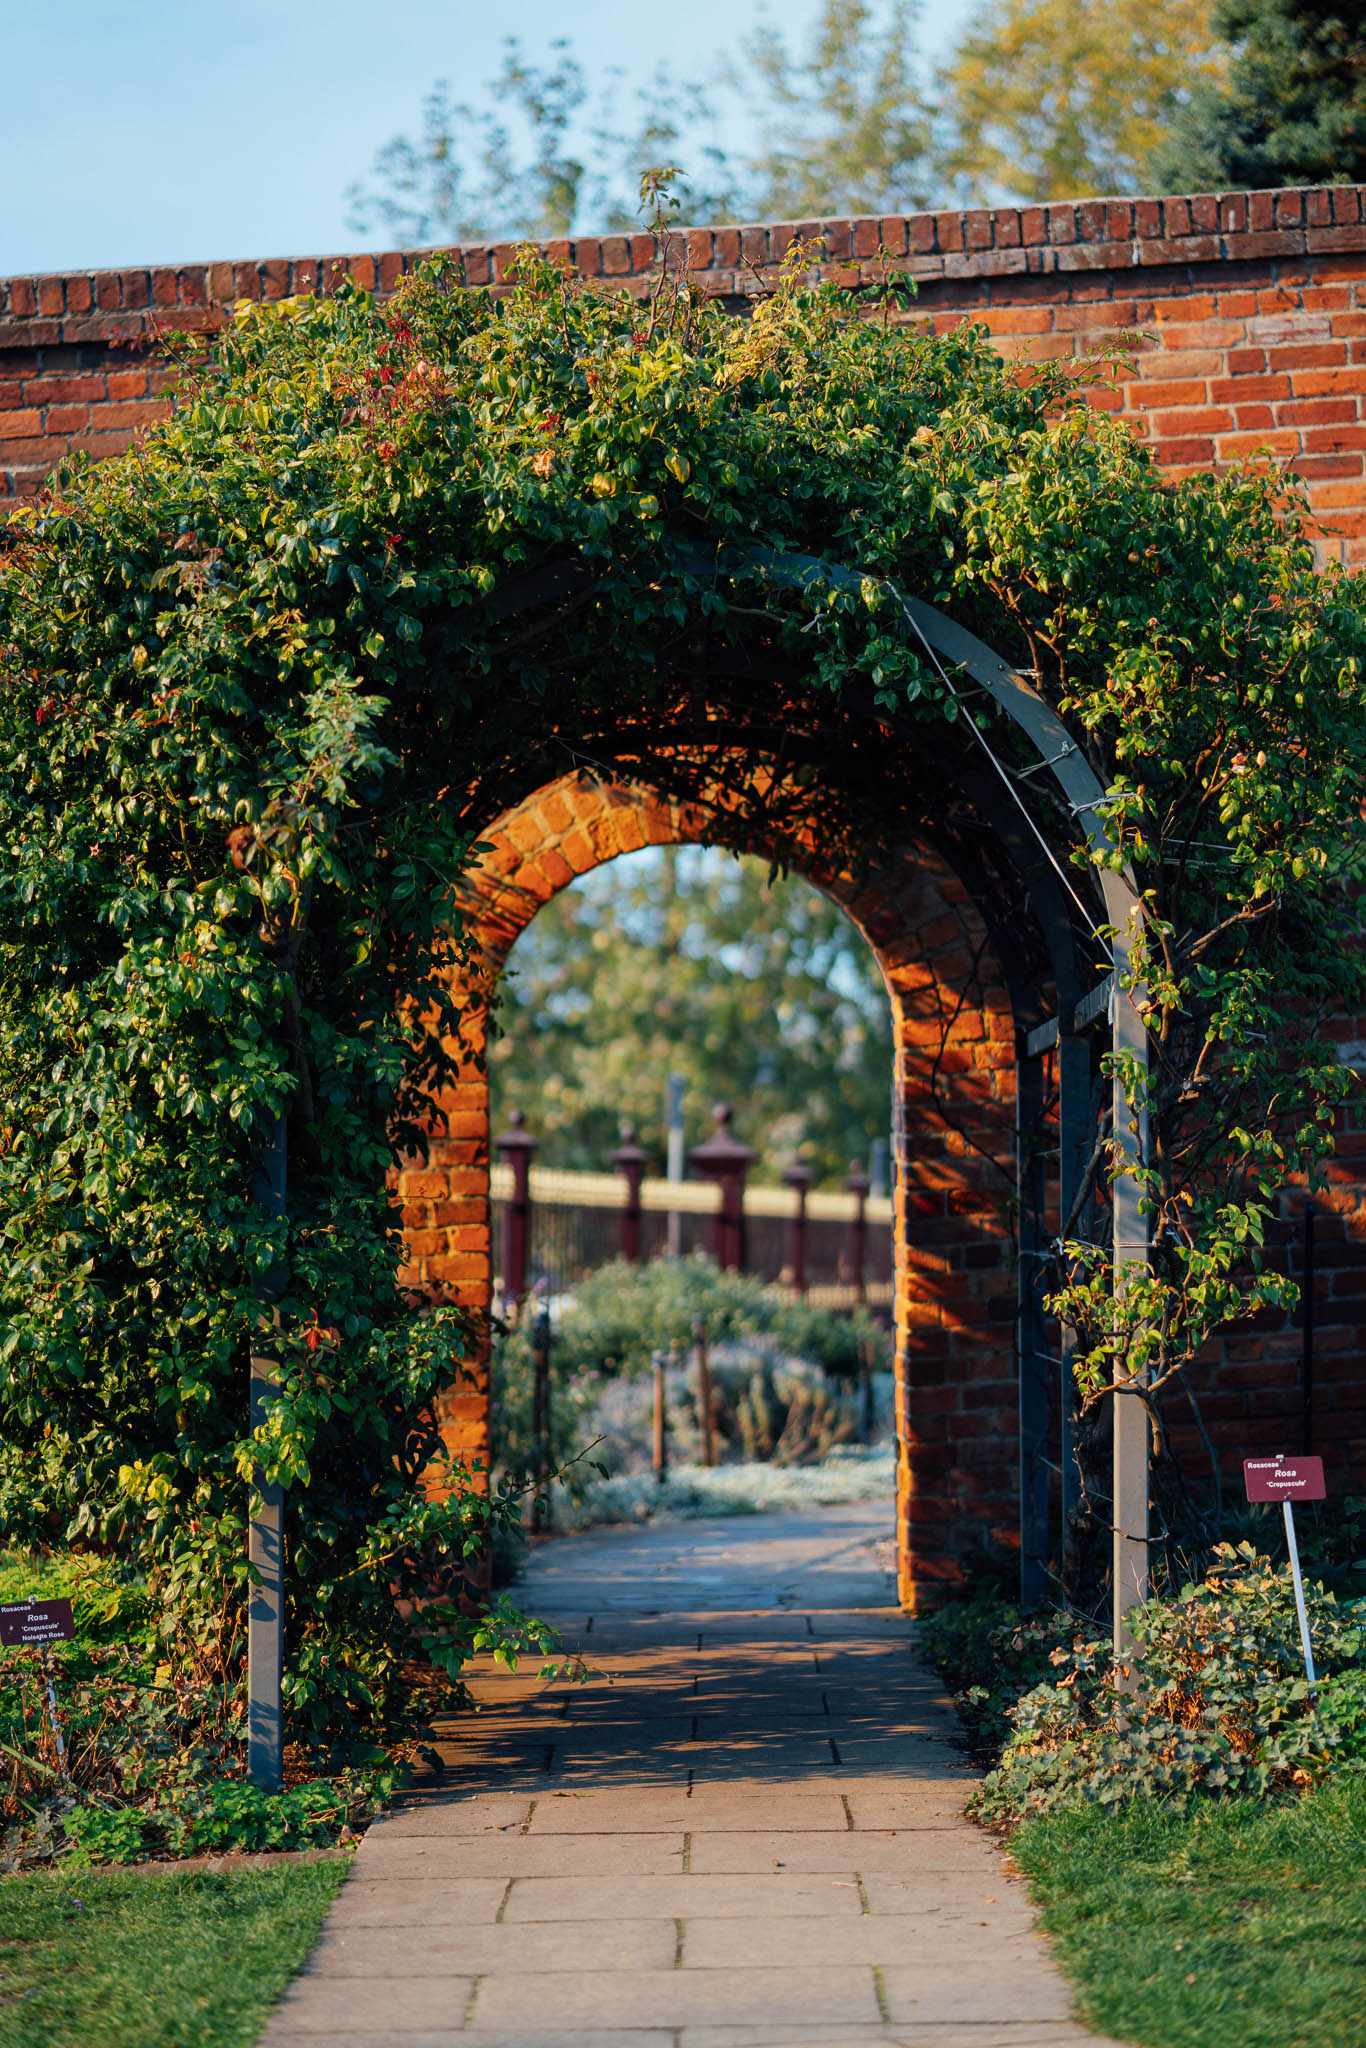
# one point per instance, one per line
(953, 1093)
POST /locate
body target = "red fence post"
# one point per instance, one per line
(799, 1179)
(629, 1160)
(516, 1147)
(725, 1160)
(858, 1184)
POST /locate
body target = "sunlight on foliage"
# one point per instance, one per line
(268, 677)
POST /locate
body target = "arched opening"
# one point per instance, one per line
(662, 999)
(744, 983)
(953, 1146)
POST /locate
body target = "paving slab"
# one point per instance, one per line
(897, 1896)
(907, 1806)
(422, 1902)
(628, 1814)
(480, 1949)
(956, 1946)
(327, 2004)
(797, 1895)
(934, 1992)
(518, 1856)
(474, 1816)
(1027, 2034)
(678, 1998)
(537, 2036)
(745, 1831)
(903, 1852)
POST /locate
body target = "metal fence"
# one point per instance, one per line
(565, 1225)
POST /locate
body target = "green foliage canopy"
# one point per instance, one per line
(1219, 1702)
(386, 569)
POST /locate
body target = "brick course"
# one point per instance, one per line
(1237, 310)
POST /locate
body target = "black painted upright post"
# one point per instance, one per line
(540, 1417)
(265, 1528)
(1307, 1363)
(1033, 1381)
(799, 1179)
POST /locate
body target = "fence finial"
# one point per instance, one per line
(725, 1160)
(629, 1160)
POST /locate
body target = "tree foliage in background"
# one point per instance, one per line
(1034, 101)
(679, 960)
(1291, 109)
(841, 122)
(845, 121)
(386, 569)
(540, 153)
(1056, 99)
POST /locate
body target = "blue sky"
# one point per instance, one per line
(164, 131)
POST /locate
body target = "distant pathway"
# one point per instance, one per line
(752, 1838)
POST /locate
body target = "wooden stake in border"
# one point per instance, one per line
(659, 1457)
(704, 1415)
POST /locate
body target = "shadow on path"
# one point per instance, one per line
(744, 1831)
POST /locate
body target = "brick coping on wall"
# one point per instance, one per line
(1009, 242)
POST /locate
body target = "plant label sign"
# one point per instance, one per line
(1283, 1478)
(1288, 1480)
(34, 1622)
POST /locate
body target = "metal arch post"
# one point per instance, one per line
(1129, 1511)
(1129, 1040)
(265, 1528)
(1076, 780)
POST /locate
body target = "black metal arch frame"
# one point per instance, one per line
(1069, 1030)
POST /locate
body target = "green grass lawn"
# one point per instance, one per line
(1242, 1926)
(108, 1959)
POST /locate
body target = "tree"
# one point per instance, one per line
(677, 960)
(1053, 99)
(845, 128)
(538, 157)
(1291, 109)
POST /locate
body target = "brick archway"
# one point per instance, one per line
(954, 1115)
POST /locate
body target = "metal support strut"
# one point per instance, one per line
(265, 1533)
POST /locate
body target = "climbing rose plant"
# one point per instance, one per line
(266, 677)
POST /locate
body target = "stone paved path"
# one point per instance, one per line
(751, 1838)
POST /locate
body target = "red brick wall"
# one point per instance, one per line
(1248, 312)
